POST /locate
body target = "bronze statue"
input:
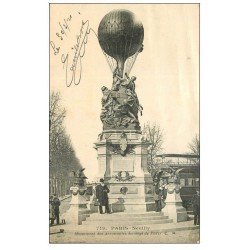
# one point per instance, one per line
(120, 105)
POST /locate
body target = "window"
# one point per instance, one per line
(182, 182)
(197, 182)
(190, 181)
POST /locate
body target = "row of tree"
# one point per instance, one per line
(62, 158)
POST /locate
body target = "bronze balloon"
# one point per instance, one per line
(120, 36)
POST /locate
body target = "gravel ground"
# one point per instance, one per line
(181, 237)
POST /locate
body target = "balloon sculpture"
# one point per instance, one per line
(120, 36)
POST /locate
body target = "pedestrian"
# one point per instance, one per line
(51, 210)
(102, 196)
(196, 208)
(56, 204)
(158, 198)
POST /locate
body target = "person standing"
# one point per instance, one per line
(102, 196)
(196, 208)
(56, 204)
(51, 210)
(158, 198)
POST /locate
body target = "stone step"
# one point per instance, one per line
(126, 223)
(124, 218)
(134, 214)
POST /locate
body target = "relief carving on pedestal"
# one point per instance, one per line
(123, 176)
(116, 149)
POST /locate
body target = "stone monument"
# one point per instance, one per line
(78, 210)
(121, 149)
(173, 207)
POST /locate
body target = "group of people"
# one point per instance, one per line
(54, 209)
(102, 198)
(120, 105)
(159, 196)
(128, 84)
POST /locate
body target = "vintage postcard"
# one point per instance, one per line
(124, 158)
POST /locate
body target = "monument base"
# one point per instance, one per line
(176, 212)
(122, 160)
(173, 207)
(78, 210)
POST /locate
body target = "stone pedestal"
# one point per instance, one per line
(174, 208)
(92, 202)
(122, 161)
(78, 210)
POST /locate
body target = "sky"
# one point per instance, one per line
(167, 73)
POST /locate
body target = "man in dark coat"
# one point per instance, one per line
(51, 210)
(56, 204)
(158, 198)
(196, 208)
(102, 196)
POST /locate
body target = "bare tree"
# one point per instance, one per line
(194, 148)
(62, 158)
(154, 134)
(56, 128)
(56, 112)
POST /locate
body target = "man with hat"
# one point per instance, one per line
(51, 210)
(158, 196)
(102, 196)
(196, 207)
(56, 204)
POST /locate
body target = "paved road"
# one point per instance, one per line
(187, 237)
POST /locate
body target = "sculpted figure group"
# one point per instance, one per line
(120, 105)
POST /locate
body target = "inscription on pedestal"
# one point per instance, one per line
(123, 164)
(133, 190)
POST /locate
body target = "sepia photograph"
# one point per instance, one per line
(108, 110)
(124, 130)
